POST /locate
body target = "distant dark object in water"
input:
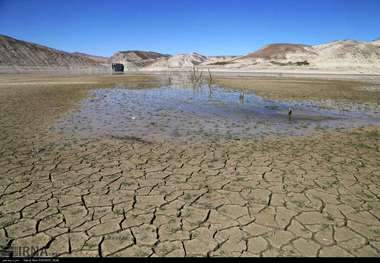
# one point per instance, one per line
(117, 67)
(290, 113)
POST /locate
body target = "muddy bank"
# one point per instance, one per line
(293, 89)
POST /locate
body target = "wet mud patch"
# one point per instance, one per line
(203, 114)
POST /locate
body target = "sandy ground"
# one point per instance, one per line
(277, 196)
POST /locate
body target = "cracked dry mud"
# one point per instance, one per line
(277, 196)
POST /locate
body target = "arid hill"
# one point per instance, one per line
(347, 53)
(338, 55)
(219, 60)
(179, 61)
(100, 59)
(136, 58)
(343, 56)
(376, 42)
(280, 51)
(17, 55)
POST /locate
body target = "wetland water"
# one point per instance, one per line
(196, 115)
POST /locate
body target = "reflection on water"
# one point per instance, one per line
(198, 115)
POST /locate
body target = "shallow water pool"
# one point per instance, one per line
(201, 114)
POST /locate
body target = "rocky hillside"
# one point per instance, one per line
(179, 61)
(339, 55)
(281, 52)
(218, 60)
(376, 42)
(344, 55)
(100, 59)
(135, 59)
(17, 55)
(347, 53)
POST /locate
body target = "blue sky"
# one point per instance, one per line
(211, 27)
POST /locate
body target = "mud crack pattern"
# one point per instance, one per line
(284, 196)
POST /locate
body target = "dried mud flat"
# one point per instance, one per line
(315, 195)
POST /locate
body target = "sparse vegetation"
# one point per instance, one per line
(220, 63)
(290, 63)
(210, 80)
(196, 77)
